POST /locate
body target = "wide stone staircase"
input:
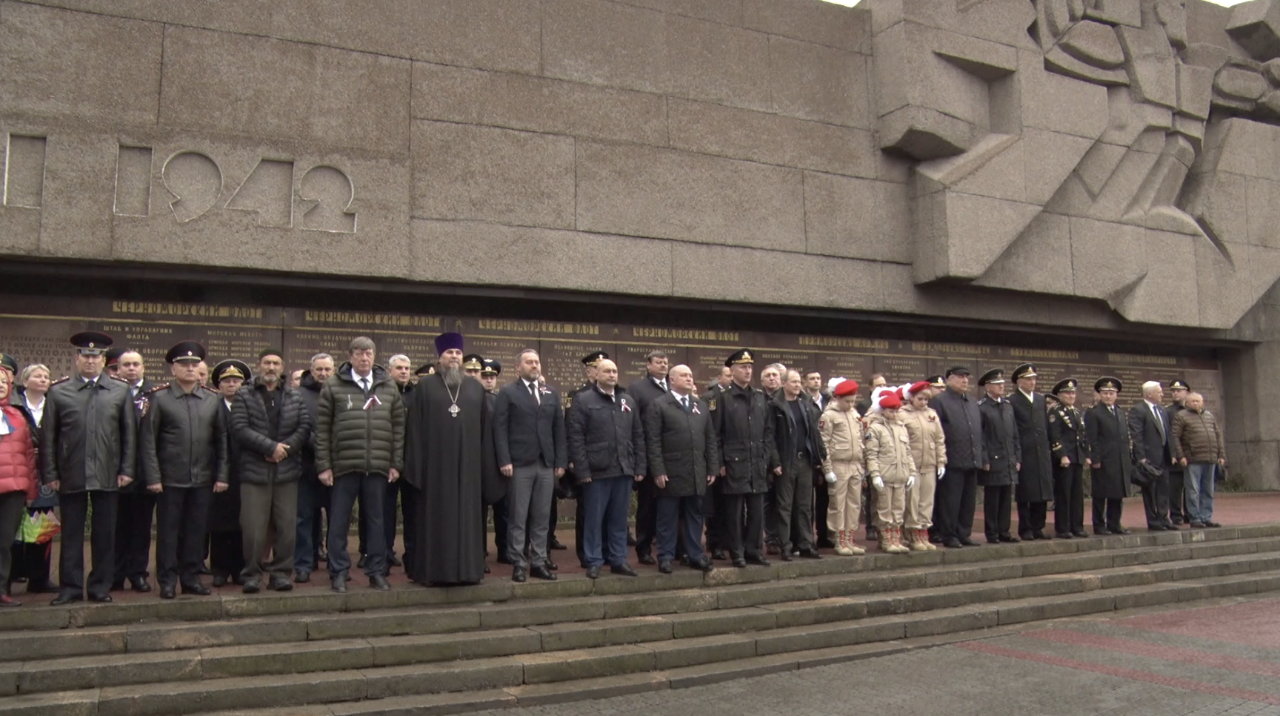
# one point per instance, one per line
(421, 651)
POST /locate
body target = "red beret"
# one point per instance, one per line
(848, 387)
(890, 401)
(918, 388)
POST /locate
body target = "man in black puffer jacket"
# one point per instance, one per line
(360, 423)
(272, 425)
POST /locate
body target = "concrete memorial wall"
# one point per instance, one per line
(1106, 168)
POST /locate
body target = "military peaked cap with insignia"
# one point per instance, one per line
(230, 368)
(593, 359)
(1179, 385)
(9, 363)
(1067, 385)
(957, 370)
(739, 357)
(428, 369)
(91, 343)
(995, 375)
(185, 352)
(1026, 370)
(1107, 382)
(937, 381)
(472, 361)
(112, 357)
(491, 367)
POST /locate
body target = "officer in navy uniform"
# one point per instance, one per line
(1003, 448)
(590, 362)
(494, 492)
(1035, 474)
(182, 441)
(1106, 430)
(1070, 451)
(226, 541)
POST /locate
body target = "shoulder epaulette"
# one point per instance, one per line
(158, 388)
(63, 379)
(116, 377)
(211, 390)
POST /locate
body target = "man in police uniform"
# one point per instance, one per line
(1178, 390)
(489, 372)
(1035, 474)
(495, 494)
(591, 365)
(744, 428)
(1003, 451)
(1070, 452)
(1110, 457)
(88, 452)
(472, 364)
(182, 442)
(137, 507)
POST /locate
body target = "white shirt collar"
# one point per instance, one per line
(1029, 395)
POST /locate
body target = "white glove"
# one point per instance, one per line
(941, 471)
(877, 482)
(911, 481)
(831, 478)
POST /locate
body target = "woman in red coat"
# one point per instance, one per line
(18, 481)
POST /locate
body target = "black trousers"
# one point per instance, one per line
(133, 533)
(13, 509)
(1155, 500)
(226, 553)
(553, 518)
(182, 514)
(1178, 495)
(407, 495)
(1032, 517)
(371, 490)
(956, 498)
(680, 521)
(75, 510)
(793, 504)
(1068, 498)
(646, 517)
(821, 503)
(997, 504)
(1106, 513)
(742, 538)
(499, 510)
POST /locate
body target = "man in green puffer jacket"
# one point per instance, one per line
(360, 429)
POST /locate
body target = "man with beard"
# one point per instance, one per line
(313, 496)
(449, 447)
(529, 443)
(137, 506)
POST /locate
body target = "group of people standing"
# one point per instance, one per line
(241, 470)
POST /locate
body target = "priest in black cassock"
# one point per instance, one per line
(448, 454)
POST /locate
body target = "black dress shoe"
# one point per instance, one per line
(1040, 534)
(1081, 533)
(203, 569)
(65, 599)
(168, 591)
(1022, 536)
(952, 543)
(740, 563)
(1121, 531)
(100, 598)
(785, 555)
(554, 543)
(626, 570)
(338, 583)
(759, 561)
(302, 577)
(718, 554)
(592, 573)
(967, 542)
(395, 561)
(220, 580)
(810, 553)
(541, 572)
(551, 565)
(519, 575)
(1062, 535)
(140, 584)
(873, 534)
(360, 562)
(1209, 523)
(1011, 539)
(486, 569)
(664, 566)
(379, 583)
(280, 584)
(1197, 525)
(1101, 531)
(647, 559)
(705, 565)
(251, 586)
(197, 589)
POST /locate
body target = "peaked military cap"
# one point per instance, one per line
(1067, 385)
(1107, 382)
(1179, 385)
(472, 361)
(491, 367)
(937, 381)
(428, 369)
(1026, 370)
(91, 343)
(9, 363)
(112, 357)
(739, 357)
(230, 368)
(593, 358)
(995, 375)
(185, 352)
(957, 370)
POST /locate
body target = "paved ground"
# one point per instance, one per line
(1217, 659)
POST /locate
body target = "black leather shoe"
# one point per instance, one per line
(705, 565)
(551, 565)
(100, 598)
(952, 543)
(718, 554)
(395, 561)
(280, 584)
(62, 599)
(379, 583)
(167, 591)
(625, 569)
(647, 559)
(785, 555)
(592, 573)
(1121, 531)
(219, 580)
(664, 566)
(968, 542)
(1101, 531)
(740, 563)
(1040, 534)
(810, 553)
(1209, 523)
(360, 562)
(338, 583)
(302, 577)
(873, 534)
(197, 589)
(203, 569)
(486, 569)
(139, 584)
(541, 572)
(1197, 525)
(556, 544)
(251, 586)
(1062, 535)
(1010, 539)
(519, 575)
(1081, 534)
(759, 561)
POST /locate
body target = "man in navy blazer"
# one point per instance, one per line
(1152, 434)
(528, 436)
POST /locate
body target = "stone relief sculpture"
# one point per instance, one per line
(1088, 148)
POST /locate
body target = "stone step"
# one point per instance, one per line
(677, 639)
(219, 608)
(527, 679)
(1131, 565)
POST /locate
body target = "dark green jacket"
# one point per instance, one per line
(358, 431)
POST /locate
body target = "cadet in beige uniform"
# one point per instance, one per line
(891, 469)
(929, 451)
(841, 430)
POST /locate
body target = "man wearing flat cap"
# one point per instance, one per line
(1035, 473)
(448, 449)
(1002, 447)
(88, 447)
(956, 495)
(1110, 457)
(1069, 453)
(182, 441)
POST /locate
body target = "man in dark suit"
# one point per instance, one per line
(1152, 434)
(962, 425)
(1070, 452)
(137, 507)
(684, 460)
(1110, 457)
(1035, 474)
(529, 438)
(646, 390)
(802, 454)
(1002, 446)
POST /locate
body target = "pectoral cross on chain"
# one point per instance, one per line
(454, 410)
